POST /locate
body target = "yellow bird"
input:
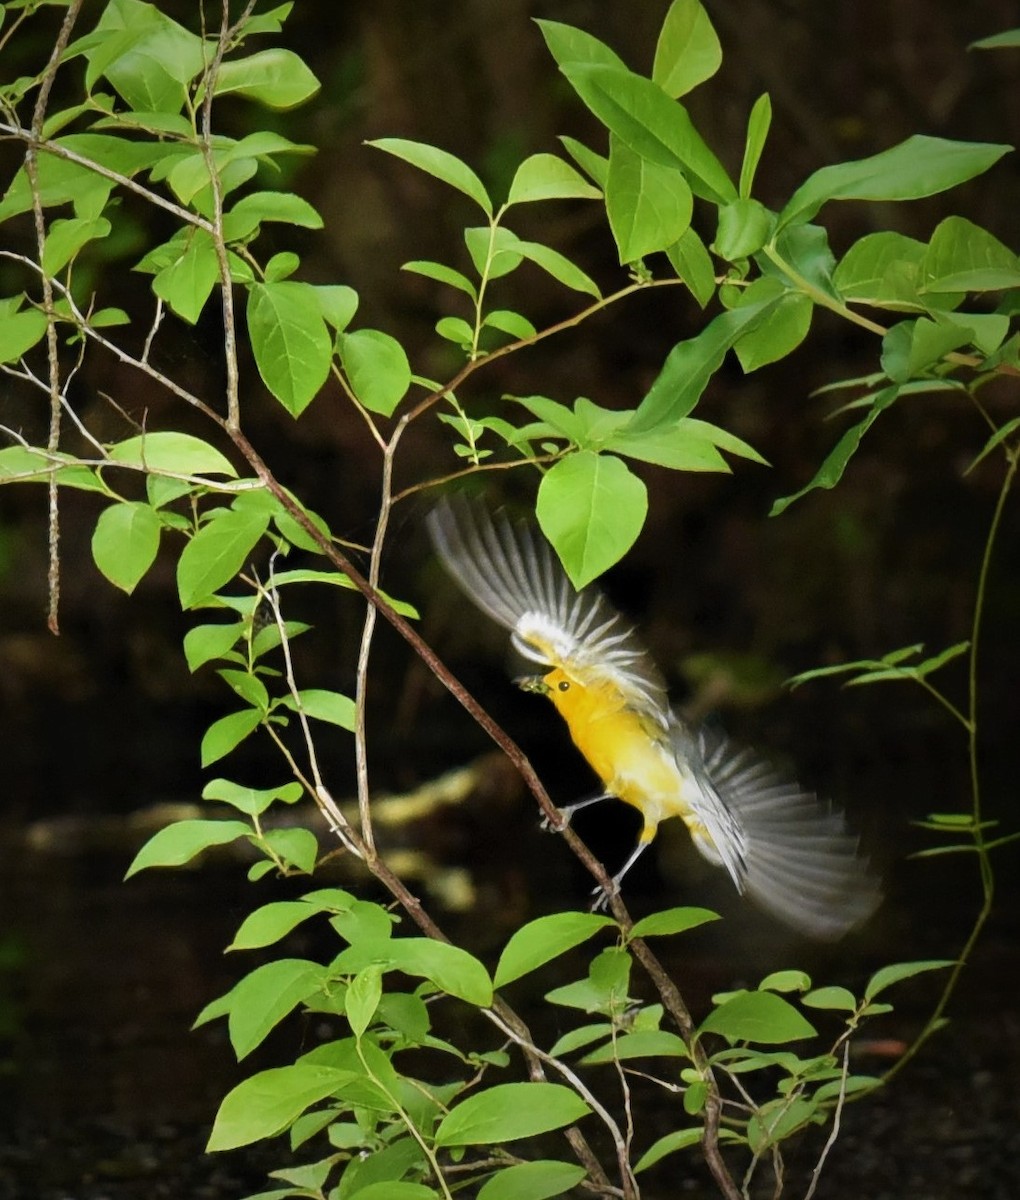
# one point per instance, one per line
(788, 853)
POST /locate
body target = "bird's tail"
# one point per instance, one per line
(796, 858)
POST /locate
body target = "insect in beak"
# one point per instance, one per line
(532, 683)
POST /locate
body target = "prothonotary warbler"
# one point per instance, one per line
(790, 854)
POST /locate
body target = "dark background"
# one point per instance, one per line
(99, 980)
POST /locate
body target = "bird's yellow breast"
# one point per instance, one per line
(627, 750)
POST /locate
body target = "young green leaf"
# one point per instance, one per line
(271, 922)
(679, 1139)
(125, 543)
(692, 263)
(296, 846)
(885, 977)
(440, 164)
(277, 78)
(252, 801)
(19, 332)
(204, 643)
(536, 1180)
(744, 227)
(324, 705)
(544, 939)
(920, 166)
(186, 282)
(260, 1001)
(451, 969)
(591, 508)
(570, 45)
(757, 1017)
(376, 367)
(546, 177)
(963, 257)
(224, 735)
(217, 552)
(778, 334)
(655, 127)
(363, 995)
(173, 452)
(758, 124)
(268, 1102)
(442, 274)
(594, 165)
(180, 842)
(290, 341)
(65, 238)
(688, 50)
(510, 1111)
(649, 206)
(671, 921)
(645, 1043)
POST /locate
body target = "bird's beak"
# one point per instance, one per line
(532, 683)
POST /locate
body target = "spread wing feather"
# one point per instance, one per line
(511, 573)
(796, 858)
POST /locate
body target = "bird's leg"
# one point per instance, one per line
(602, 894)
(568, 810)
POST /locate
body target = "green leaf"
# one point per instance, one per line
(645, 1043)
(532, 1181)
(688, 50)
(270, 923)
(691, 261)
(338, 303)
(920, 166)
(758, 124)
(760, 1017)
(289, 338)
(146, 56)
(655, 127)
(251, 800)
(297, 847)
(895, 973)
(744, 227)
(544, 939)
(456, 330)
(217, 552)
(778, 334)
(224, 735)
(186, 283)
(570, 45)
(509, 322)
(441, 165)
(182, 841)
(250, 211)
(442, 274)
(362, 1000)
(912, 346)
(594, 165)
(204, 643)
(687, 445)
(785, 981)
(558, 266)
(649, 206)
(65, 238)
(394, 1190)
(377, 368)
(1009, 39)
(671, 921)
(831, 997)
(19, 332)
(451, 969)
(510, 1111)
(882, 269)
(679, 1139)
(260, 1001)
(691, 364)
(277, 78)
(175, 453)
(248, 687)
(125, 543)
(324, 705)
(591, 508)
(963, 257)
(831, 470)
(546, 177)
(270, 1101)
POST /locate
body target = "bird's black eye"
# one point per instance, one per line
(563, 685)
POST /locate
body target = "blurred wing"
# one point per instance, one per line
(793, 856)
(509, 570)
